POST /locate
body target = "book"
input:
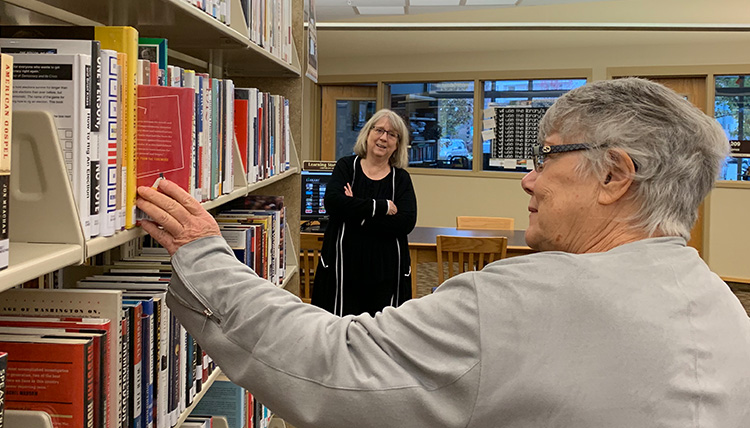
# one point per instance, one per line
(105, 304)
(6, 122)
(51, 374)
(99, 366)
(224, 398)
(154, 50)
(93, 102)
(134, 357)
(103, 367)
(111, 134)
(165, 135)
(3, 376)
(147, 358)
(58, 84)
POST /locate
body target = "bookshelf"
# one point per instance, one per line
(44, 229)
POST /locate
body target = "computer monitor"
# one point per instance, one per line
(313, 190)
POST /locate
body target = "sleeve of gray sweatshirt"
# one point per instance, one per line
(415, 366)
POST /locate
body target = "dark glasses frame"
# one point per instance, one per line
(539, 152)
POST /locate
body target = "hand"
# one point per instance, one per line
(177, 218)
(392, 210)
(348, 190)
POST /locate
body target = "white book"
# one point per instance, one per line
(229, 140)
(58, 84)
(108, 144)
(93, 102)
(191, 81)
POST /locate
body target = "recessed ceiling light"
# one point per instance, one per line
(491, 2)
(434, 2)
(380, 10)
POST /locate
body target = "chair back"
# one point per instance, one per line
(484, 223)
(309, 254)
(468, 253)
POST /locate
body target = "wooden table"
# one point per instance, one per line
(423, 245)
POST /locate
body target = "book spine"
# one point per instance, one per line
(108, 151)
(88, 393)
(3, 373)
(6, 121)
(125, 371)
(95, 126)
(125, 39)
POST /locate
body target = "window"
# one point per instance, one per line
(534, 92)
(730, 109)
(440, 117)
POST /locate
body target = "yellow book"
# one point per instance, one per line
(125, 40)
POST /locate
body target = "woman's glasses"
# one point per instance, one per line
(380, 131)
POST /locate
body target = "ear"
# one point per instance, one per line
(618, 179)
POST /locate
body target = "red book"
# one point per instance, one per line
(241, 128)
(164, 135)
(102, 357)
(154, 74)
(54, 375)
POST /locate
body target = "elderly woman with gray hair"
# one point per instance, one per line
(615, 323)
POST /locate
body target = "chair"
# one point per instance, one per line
(484, 223)
(469, 252)
(309, 254)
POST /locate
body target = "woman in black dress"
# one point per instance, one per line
(365, 264)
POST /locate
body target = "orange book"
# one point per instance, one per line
(54, 375)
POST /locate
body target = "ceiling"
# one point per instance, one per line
(354, 42)
(352, 10)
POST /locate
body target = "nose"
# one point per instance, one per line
(527, 182)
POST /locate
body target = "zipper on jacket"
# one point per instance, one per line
(207, 313)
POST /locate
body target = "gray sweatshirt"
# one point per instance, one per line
(644, 335)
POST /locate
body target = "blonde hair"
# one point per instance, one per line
(399, 158)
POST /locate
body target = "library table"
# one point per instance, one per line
(423, 244)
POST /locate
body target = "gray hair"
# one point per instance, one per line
(399, 158)
(677, 149)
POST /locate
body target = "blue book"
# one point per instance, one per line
(226, 399)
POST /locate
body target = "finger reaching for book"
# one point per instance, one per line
(177, 218)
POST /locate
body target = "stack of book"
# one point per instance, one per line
(125, 117)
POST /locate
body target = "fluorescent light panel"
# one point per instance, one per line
(434, 2)
(491, 2)
(380, 10)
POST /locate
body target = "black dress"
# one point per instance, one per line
(365, 264)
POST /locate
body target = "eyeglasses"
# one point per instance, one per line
(540, 152)
(380, 131)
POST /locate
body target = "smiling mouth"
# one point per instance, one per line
(381, 146)
(532, 210)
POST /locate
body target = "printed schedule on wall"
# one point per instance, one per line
(513, 131)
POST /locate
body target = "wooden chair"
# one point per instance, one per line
(309, 254)
(469, 252)
(484, 223)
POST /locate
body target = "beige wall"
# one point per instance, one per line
(599, 55)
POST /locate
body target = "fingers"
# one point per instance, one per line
(152, 202)
(180, 195)
(162, 237)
